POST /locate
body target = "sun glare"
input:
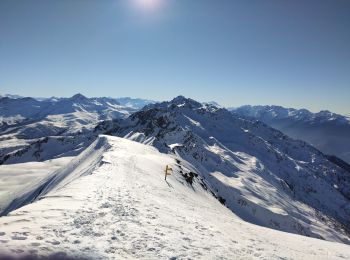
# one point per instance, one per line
(148, 4)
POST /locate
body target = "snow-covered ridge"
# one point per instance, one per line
(136, 103)
(113, 203)
(261, 174)
(327, 131)
(279, 112)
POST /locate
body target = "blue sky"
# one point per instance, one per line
(291, 53)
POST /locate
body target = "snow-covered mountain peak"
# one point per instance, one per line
(326, 115)
(213, 103)
(11, 96)
(79, 98)
(272, 112)
(278, 112)
(180, 101)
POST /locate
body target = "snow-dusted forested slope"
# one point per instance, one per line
(113, 202)
(262, 175)
(327, 131)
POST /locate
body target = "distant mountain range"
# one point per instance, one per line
(327, 131)
(79, 110)
(29, 123)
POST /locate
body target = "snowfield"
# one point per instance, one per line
(112, 202)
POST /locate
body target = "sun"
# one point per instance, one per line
(148, 4)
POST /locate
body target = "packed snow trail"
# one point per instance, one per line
(125, 210)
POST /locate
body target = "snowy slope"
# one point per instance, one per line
(262, 175)
(116, 204)
(327, 131)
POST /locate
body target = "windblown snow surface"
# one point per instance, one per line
(112, 202)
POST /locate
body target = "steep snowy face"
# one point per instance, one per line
(261, 174)
(327, 131)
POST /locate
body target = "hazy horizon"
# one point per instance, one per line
(293, 54)
(169, 99)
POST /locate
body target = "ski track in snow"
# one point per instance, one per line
(126, 210)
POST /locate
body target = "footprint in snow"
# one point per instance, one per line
(54, 242)
(17, 251)
(18, 238)
(110, 250)
(105, 205)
